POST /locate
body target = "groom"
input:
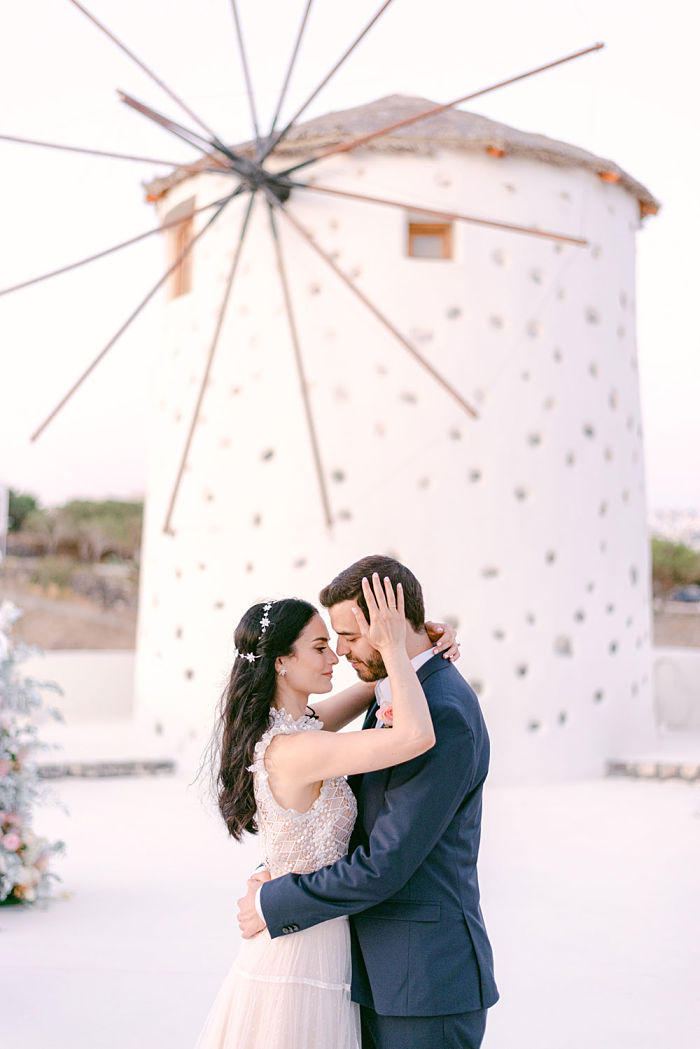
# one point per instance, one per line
(421, 959)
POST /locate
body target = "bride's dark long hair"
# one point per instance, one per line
(244, 707)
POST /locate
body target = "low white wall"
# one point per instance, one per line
(97, 685)
(677, 687)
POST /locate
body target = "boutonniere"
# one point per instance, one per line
(385, 716)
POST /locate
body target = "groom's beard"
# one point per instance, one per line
(371, 669)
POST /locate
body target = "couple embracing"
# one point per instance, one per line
(364, 928)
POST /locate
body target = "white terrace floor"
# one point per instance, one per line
(591, 893)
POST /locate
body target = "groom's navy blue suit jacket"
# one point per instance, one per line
(409, 880)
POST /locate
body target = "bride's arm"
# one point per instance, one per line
(338, 711)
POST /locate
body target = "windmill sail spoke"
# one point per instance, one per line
(90, 152)
(346, 54)
(167, 527)
(345, 147)
(380, 317)
(301, 371)
(91, 367)
(149, 72)
(292, 62)
(447, 215)
(191, 137)
(246, 70)
(107, 251)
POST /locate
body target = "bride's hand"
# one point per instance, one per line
(386, 629)
(444, 638)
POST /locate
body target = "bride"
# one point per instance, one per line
(280, 774)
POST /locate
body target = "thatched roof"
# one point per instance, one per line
(450, 129)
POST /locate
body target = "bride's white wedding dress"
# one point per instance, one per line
(292, 992)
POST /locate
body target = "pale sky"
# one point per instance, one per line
(636, 102)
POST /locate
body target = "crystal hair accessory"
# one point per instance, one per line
(265, 622)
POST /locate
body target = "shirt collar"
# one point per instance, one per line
(382, 690)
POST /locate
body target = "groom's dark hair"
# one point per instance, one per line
(347, 586)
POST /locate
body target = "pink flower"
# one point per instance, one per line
(385, 715)
(5, 767)
(12, 841)
(13, 817)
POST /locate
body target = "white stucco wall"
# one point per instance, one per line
(527, 526)
(97, 686)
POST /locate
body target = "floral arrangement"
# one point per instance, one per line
(24, 857)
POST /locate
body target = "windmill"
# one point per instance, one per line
(510, 472)
(254, 173)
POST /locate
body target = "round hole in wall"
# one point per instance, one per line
(338, 476)
(408, 397)
(499, 635)
(534, 725)
(612, 648)
(454, 434)
(474, 475)
(300, 562)
(610, 608)
(593, 369)
(189, 673)
(562, 717)
(521, 669)
(453, 312)
(598, 695)
(267, 455)
(588, 430)
(490, 571)
(534, 439)
(592, 315)
(563, 646)
(579, 615)
(521, 494)
(550, 557)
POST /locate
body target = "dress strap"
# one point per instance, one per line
(281, 724)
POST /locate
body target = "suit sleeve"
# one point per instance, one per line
(421, 799)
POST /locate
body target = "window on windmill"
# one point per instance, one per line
(430, 240)
(178, 237)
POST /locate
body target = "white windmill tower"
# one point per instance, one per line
(527, 525)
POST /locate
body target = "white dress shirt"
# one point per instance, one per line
(382, 693)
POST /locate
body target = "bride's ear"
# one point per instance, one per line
(280, 668)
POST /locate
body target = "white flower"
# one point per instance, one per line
(9, 614)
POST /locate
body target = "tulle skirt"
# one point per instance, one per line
(289, 993)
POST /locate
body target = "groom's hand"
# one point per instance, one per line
(249, 921)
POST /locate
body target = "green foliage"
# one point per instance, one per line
(90, 529)
(21, 505)
(56, 571)
(674, 564)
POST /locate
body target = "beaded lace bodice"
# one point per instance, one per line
(300, 842)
